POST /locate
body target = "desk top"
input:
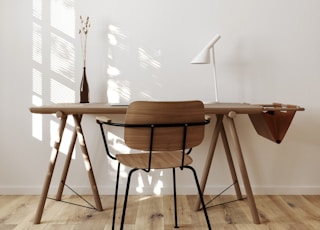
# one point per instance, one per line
(102, 108)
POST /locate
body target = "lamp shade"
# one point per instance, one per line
(204, 56)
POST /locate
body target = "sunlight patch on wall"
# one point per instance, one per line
(118, 90)
(62, 57)
(116, 145)
(115, 37)
(146, 95)
(139, 188)
(37, 9)
(37, 43)
(63, 16)
(121, 87)
(146, 60)
(67, 135)
(158, 187)
(37, 82)
(36, 100)
(113, 71)
(37, 122)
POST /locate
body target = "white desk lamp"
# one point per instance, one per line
(204, 58)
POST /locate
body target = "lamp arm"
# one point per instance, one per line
(213, 41)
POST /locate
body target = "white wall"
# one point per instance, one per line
(269, 51)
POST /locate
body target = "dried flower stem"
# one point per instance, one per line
(83, 31)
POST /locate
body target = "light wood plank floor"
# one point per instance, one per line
(156, 212)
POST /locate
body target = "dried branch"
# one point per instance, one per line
(83, 31)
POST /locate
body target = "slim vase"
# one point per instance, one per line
(84, 88)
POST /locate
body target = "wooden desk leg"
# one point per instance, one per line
(230, 162)
(207, 166)
(53, 159)
(66, 165)
(243, 169)
(87, 162)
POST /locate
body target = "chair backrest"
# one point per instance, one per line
(164, 138)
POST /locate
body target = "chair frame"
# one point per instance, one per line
(105, 121)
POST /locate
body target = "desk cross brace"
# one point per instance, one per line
(223, 203)
(78, 195)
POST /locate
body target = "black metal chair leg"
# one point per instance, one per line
(126, 198)
(115, 198)
(200, 195)
(175, 198)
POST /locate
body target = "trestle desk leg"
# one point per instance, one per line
(52, 163)
(242, 167)
(230, 162)
(87, 161)
(66, 165)
(207, 166)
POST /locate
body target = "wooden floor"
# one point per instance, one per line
(156, 212)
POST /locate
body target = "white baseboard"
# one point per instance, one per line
(104, 190)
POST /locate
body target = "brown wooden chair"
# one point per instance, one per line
(164, 134)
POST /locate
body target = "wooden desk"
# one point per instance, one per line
(221, 110)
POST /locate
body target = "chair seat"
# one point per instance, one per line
(160, 160)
